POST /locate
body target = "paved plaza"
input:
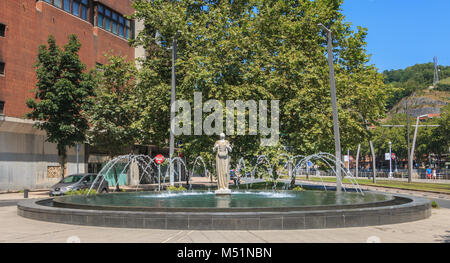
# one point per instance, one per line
(14, 228)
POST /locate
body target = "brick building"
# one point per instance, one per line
(26, 160)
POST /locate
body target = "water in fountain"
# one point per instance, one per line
(150, 171)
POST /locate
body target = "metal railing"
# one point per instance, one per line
(441, 174)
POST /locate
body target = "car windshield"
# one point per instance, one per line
(72, 179)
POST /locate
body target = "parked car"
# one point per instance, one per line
(78, 182)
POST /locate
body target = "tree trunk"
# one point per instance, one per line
(357, 161)
(62, 157)
(292, 175)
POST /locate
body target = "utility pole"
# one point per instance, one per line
(410, 162)
(78, 163)
(357, 161)
(390, 159)
(337, 139)
(172, 113)
(348, 162)
(436, 73)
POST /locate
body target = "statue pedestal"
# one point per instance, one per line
(223, 192)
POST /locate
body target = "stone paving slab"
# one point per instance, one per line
(14, 228)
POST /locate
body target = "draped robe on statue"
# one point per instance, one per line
(222, 163)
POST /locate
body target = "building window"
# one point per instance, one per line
(57, 3)
(2, 68)
(2, 30)
(128, 29)
(121, 26)
(84, 9)
(100, 16)
(67, 5)
(75, 7)
(78, 8)
(113, 22)
(108, 19)
(2, 108)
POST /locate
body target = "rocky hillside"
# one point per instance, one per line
(423, 102)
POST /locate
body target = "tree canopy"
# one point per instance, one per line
(260, 50)
(62, 92)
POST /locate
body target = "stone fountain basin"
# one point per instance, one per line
(205, 211)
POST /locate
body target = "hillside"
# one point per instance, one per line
(415, 79)
(414, 84)
(423, 102)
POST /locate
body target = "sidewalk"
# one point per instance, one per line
(16, 229)
(19, 196)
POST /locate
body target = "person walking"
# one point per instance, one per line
(434, 174)
(429, 173)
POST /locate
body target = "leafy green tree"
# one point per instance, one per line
(260, 50)
(61, 93)
(113, 110)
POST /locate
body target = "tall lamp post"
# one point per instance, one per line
(390, 159)
(172, 113)
(337, 139)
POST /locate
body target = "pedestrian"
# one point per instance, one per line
(434, 174)
(429, 173)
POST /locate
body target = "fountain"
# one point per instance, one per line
(227, 209)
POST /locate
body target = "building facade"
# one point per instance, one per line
(26, 159)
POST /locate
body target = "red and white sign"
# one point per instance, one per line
(393, 156)
(159, 159)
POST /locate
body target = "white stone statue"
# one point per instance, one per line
(223, 149)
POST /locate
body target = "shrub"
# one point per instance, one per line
(175, 189)
(81, 192)
(298, 189)
(434, 204)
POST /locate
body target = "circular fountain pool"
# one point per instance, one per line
(243, 210)
(238, 201)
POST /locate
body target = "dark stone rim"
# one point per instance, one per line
(60, 202)
(415, 209)
(396, 200)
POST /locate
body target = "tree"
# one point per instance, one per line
(61, 93)
(113, 111)
(261, 50)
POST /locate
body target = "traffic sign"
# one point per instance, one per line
(393, 156)
(159, 159)
(387, 157)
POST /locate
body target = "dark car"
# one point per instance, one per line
(78, 182)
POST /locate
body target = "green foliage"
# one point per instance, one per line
(298, 189)
(113, 111)
(415, 78)
(434, 204)
(258, 50)
(434, 140)
(61, 95)
(173, 188)
(81, 192)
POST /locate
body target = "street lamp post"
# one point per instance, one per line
(337, 140)
(390, 159)
(78, 150)
(172, 112)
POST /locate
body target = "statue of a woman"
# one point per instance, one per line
(222, 147)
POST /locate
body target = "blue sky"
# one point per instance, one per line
(403, 32)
